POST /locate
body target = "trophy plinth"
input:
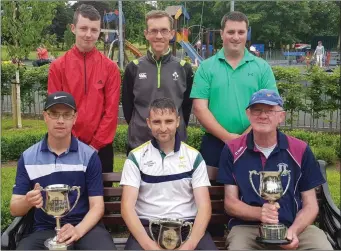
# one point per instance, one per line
(57, 204)
(270, 188)
(169, 236)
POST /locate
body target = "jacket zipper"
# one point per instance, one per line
(158, 74)
(84, 75)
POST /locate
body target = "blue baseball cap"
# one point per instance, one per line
(265, 96)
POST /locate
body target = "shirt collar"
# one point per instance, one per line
(163, 57)
(282, 141)
(176, 146)
(246, 58)
(73, 146)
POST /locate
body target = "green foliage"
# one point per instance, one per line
(7, 182)
(69, 38)
(24, 22)
(34, 80)
(15, 141)
(290, 88)
(8, 76)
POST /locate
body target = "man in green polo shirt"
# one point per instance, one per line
(223, 85)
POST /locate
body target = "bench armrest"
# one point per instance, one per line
(7, 236)
(18, 228)
(330, 218)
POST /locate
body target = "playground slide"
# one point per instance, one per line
(191, 52)
(133, 49)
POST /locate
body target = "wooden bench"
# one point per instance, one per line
(329, 218)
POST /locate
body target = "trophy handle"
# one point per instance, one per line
(190, 224)
(42, 208)
(286, 189)
(156, 222)
(250, 178)
(78, 195)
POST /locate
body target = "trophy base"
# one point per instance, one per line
(51, 244)
(272, 242)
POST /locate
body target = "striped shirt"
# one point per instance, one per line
(165, 181)
(78, 166)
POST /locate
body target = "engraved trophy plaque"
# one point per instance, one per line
(57, 205)
(270, 189)
(170, 236)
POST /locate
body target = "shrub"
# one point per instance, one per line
(325, 145)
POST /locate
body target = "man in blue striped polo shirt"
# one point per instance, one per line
(60, 158)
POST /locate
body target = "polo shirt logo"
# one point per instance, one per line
(250, 74)
(143, 75)
(149, 163)
(239, 150)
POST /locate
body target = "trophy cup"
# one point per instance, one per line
(270, 188)
(170, 236)
(57, 205)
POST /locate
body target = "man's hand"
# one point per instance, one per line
(291, 235)
(68, 234)
(188, 245)
(151, 245)
(269, 213)
(34, 197)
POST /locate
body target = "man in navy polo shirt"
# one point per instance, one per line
(266, 148)
(60, 158)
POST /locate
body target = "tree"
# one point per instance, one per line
(24, 22)
(63, 17)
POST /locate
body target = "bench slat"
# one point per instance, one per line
(113, 177)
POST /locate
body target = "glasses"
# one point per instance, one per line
(154, 32)
(56, 115)
(258, 112)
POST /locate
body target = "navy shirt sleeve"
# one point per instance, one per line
(311, 173)
(94, 179)
(225, 171)
(22, 180)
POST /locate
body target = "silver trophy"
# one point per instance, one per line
(169, 236)
(57, 205)
(270, 189)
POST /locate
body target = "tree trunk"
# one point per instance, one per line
(16, 104)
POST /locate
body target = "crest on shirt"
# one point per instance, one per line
(143, 75)
(282, 167)
(175, 76)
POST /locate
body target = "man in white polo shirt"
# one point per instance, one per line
(165, 178)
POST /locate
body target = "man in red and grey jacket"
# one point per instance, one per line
(94, 81)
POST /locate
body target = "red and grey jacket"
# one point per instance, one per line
(94, 81)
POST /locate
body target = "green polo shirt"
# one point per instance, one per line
(228, 90)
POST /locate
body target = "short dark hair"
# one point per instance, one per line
(159, 14)
(87, 11)
(163, 104)
(234, 16)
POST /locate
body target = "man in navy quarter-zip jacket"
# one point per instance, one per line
(156, 75)
(94, 81)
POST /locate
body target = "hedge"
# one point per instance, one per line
(325, 146)
(288, 81)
